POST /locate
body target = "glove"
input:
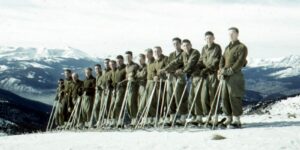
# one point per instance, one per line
(120, 84)
(226, 71)
(204, 73)
(162, 72)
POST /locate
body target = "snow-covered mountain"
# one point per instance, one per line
(21, 53)
(33, 72)
(268, 79)
(290, 65)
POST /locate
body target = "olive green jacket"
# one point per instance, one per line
(89, 85)
(131, 71)
(160, 64)
(77, 89)
(151, 71)
(189, 62)
(234, 56)
(172, 67)
(210, 57)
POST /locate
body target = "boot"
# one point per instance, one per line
(119, 124)
(193, 119)
(196, 120)
(80, 125)
(236, 122)
(113, 123)
(182, 120)
(148, 121)
(228, 121)
(133, 122)
(199, 120)
(214, 120)
(171, 119)
(152, 123)
(161, 121)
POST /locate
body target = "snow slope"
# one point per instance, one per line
(274, 130)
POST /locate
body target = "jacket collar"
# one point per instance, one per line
(121, 67)
(90, 77)
(231, 44)
(151, 60)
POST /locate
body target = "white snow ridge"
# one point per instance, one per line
(276, 130)
(30, 53)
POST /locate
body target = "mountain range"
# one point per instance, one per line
(33, 72)
(28, 81)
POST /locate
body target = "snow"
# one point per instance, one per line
(14, 84)
(3, 68)
(35, 65)
(42, 53)
(255, 136)
(275, 131)
(3, 122)
(293, 105)
(290, 65)
(30, 75)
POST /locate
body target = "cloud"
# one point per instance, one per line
(102, 27)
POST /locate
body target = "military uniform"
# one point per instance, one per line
(118, 78)
(59, 117)
(66, 105)
(191, 68)
(76, 93)
(172, 78)
(151, 72)
(89, 85)
(159, 65)
(97, 101)
(233, 90)
(142, 80)
(132, 91)
(210, 59)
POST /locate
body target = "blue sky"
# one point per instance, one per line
(269, 28)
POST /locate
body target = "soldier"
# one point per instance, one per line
(97, 101)
(142, 78)
(105, 74)
(209, 60)
(189, 60)
(118, 78)
(160, 62)
(67, 104)
(231, 64)
(76, 92)
(192, 69)
(151, 72)
(172, 70)
(58, 116)
(89, 85)
(132, 87)
(104, 86)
